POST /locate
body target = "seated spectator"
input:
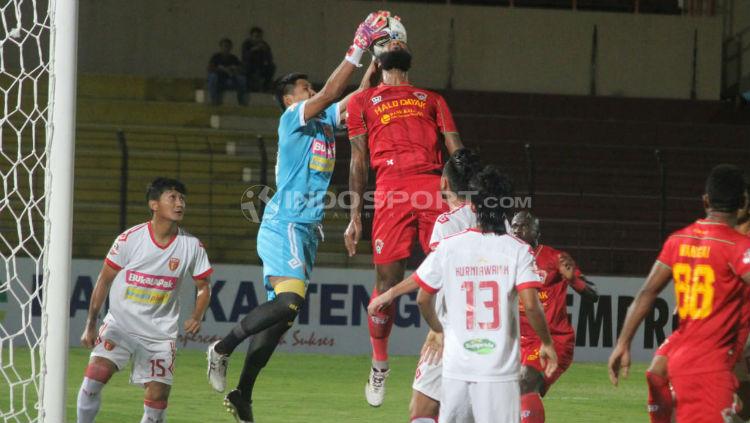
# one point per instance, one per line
(258, 61)
(225, 72)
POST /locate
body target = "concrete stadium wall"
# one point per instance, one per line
(495, 49)
(737, 45)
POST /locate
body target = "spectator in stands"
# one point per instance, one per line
(258, 61)
(225, 72)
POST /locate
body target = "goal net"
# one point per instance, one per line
(36, 127)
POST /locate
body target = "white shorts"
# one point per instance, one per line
(152, 361)
(480, 402)
(742, 368)
(428, 379)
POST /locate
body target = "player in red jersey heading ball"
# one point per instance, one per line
(709, 261)
(401, 126)
(558, 271)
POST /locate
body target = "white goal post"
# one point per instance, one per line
(59, 223)
(38, 60)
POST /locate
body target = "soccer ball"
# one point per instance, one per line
(395, 30)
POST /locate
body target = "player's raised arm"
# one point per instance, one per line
(101, 290)
(535, 314)
(447, 127)
(659, 277)
(367, 31)
(368, 80)
(202, 300)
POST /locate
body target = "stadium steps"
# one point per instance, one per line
(168, 134)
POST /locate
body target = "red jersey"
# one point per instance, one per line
(707, 260)
(402, 124)
(553, 294)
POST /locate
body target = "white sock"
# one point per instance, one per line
(380, 365)
(423, 420)
(89, 400)
(154, 415)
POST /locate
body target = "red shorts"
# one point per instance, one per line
(704, 397)
(403, 209)
(564, 347)
(666, 346)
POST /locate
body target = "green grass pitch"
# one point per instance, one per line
(316, 388)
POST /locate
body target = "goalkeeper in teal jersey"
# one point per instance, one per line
(288, 236)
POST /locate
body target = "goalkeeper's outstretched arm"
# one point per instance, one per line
(101, 290)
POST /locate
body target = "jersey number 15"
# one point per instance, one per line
(493, 304)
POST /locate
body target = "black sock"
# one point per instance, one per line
(283, 308)
(259, 352)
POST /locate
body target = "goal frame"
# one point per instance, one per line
(59, 209)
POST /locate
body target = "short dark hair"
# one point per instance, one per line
(460, 168)
(256, 30)
(160, 185)
(726, 188)
(285, 85)
(226, 40)
(492, 187)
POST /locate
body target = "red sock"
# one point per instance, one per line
(532, 409)
(659, 398)
(380, 326)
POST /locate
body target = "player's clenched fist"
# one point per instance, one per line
(88, 339)
(192, 326)
(548, 358)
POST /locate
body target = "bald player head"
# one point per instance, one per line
(526, 226)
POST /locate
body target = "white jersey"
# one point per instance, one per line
(451, 223)
(447, 224)
(480, 275)
(144, 297)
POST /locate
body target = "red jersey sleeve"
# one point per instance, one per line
(667, 254)
(741, 263)
(355, 115)
(445, 117)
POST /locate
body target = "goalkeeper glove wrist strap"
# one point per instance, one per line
(354, 55)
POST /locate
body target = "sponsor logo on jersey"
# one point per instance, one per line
(379, 244)
(443, 218)
(385, 119)
(174, 263)
(480, 346)
(746, 257)
(143, 280)
(109, 345)
(420, 95)
(323, 155)
(377, 99)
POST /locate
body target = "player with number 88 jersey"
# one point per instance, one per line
(708, 261)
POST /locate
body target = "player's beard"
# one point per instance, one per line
(395, 59)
